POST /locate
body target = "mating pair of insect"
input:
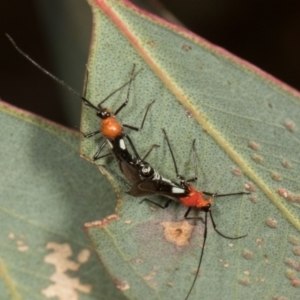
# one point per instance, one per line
(144, 180)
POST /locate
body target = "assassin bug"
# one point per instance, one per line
(185, 194)
(134, 169)
(181, 192)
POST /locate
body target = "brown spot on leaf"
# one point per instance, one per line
(289, 196)
(249, 186)
(236, 172)
(294, 240)
(244, 281)
(276, 176)
(102, 223)
(121, 285)
(286, 163)
(152, 44)
(247, 254)
(290, 125)
(290, 274)
(253, 145)
(295, 282)
(186, 47)
(296, 250)
(271, 223)
(178, 233)
(257, 158)
(253, 198)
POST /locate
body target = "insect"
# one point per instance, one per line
(134, 168)
(186, 195)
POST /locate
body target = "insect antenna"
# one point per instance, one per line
(202, 250)
(61, 82)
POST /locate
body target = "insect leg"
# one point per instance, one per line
(88, 135)
(97, 154)
(132, 76)
(157, 204)
(173, 157)
(117, 176)
(143, 121)
(195, 178)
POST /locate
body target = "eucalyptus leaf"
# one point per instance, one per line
(47, 193)
(246, 128)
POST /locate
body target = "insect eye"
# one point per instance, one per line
(103, 114)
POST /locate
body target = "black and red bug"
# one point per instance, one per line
(134, 168)
(185, 194)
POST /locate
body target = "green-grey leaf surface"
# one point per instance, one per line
(47, 194)
(247, 136)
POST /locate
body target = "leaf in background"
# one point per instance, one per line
(47, 193)
(247, 136)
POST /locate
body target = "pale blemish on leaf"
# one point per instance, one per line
(83, 256)
(65, 287)
(296, 250)
(259, 242)
(121, 285)
(293, 264)
(186, 47)
(128, 221)
(247, 254)
(257, 158)
(188, 114)
(249, 186)
(246, 273)
(178, 233)
(236, 172)
(152, 44)
(20, 244)
(244, 281)
(289, 196)
(272, 223)
(276, 176)
(151, 275)
(101, 223)
(294, 240)
(286, 164)
(260, 279)
(290, 274)
(290, 262)
(22, 247)
(279, 298)
(253, 198)
(253, 145)
(138, 261)
(290, 125)
(295, 282)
